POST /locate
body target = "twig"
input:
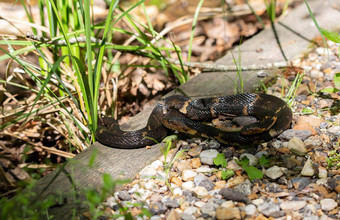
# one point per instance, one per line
(49, 149)
(204, 66)
(227, 68)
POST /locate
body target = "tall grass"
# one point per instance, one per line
(73, 53)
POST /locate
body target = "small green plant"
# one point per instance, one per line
(167, 165)
(291, 94)
(221, 161)
(238, 83)
(264, 161)
(95, 198)
(73, 52)
(335, 89)
(333, 160)
(24, 205)
(252, 172)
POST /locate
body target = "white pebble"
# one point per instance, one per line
(201, 191)
(189, 185)
(188, 175)
(207, 156)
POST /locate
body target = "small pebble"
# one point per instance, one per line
(245, 187)
(293, 205)
(123, 195)
(202, 180)
(290, 133)
(208, 210)
(207, 156)
(274, 172)
(189, 185)
(300, 183)
(297, 146)
(201, 191)
(191, 210)
(328, 204)
(250, 209)
(170, 202)
(229, 213)
(308, 169)
(188, 175)
(270, 209)
(335, 130)
(230, 194)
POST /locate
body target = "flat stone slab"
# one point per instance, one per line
(125, 164)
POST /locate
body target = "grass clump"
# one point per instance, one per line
(76, 55)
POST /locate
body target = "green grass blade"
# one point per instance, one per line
(194, 22)
(315, 22)
(99, 63)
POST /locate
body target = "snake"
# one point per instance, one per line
(180, 113)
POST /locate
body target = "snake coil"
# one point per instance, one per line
(180, 113)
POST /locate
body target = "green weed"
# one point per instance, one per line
(221, 161)
(252, 172)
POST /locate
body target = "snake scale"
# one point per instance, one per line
(185, 115)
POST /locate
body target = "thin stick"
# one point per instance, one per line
(204, 66)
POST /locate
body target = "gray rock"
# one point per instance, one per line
(191, 210)
(123, 195)
(300, 98)
(270, 209)
(290, 133)
(230, 194)
(186, 216)
(156, 217)
(207, 156)
(157, 208)
(170, 202)
(213, 144)
(273, 187)
(334, 130)
(202, 180)
(250, 209)
(323, 125)
(314, 141)
(244, 187)
(328, 204)
(188, 196)
(300, 182)
(208, 210)
(309, 210)
(274, 172)
(277, 144)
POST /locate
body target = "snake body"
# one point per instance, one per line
(180, 113)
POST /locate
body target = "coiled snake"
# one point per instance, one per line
(180, 113)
